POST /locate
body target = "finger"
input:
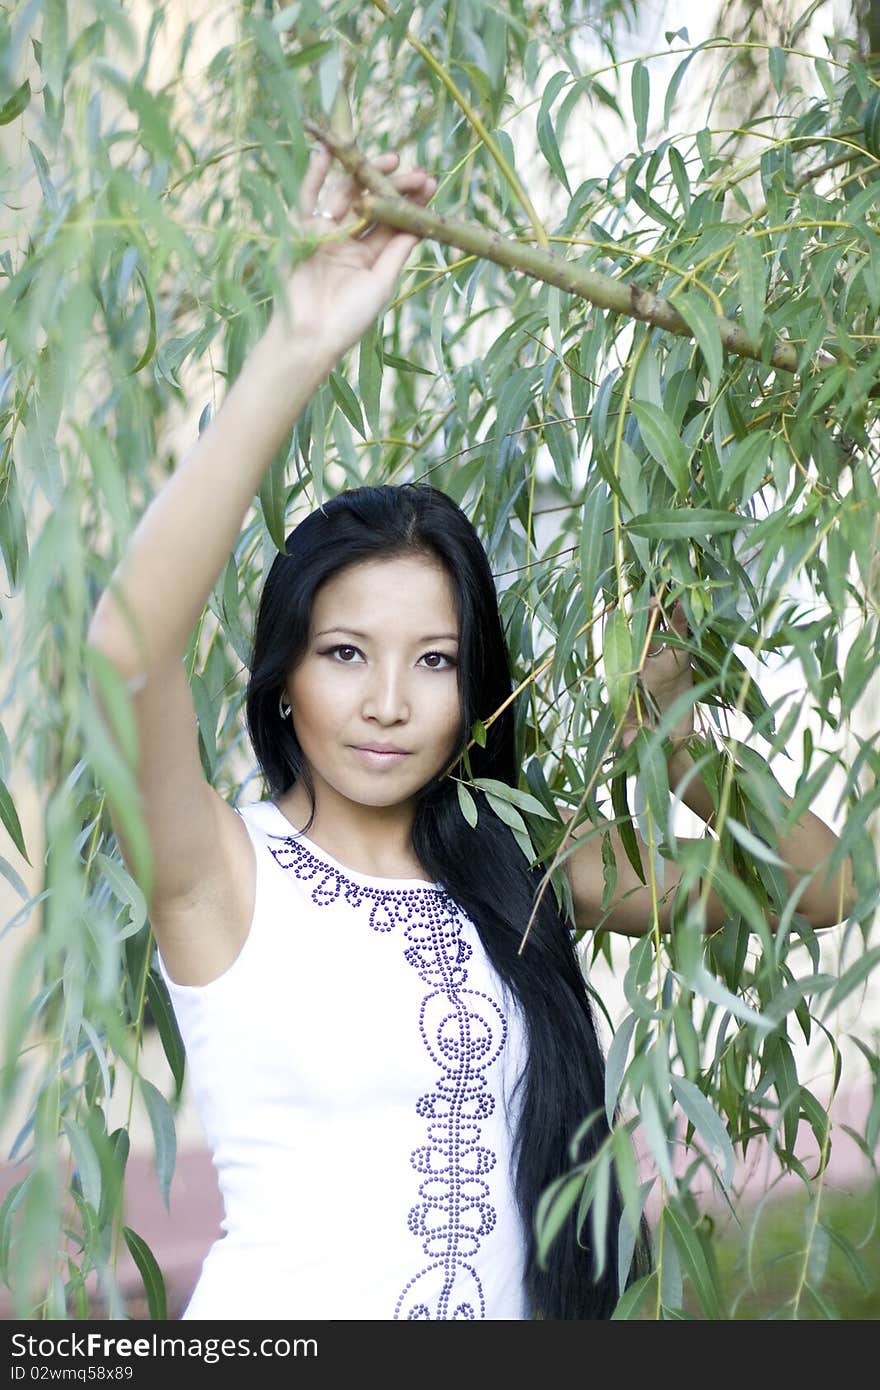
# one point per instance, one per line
(393, 257)
(417, 187)
(340, 201)
(313, 180)
(413, 183)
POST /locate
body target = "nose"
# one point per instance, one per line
(386, 697)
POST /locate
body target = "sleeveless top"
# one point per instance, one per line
(353, 1070)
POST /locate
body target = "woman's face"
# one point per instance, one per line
(375, 695)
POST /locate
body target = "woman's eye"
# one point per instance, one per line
(348, 655)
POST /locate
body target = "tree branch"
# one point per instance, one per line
(382, 203)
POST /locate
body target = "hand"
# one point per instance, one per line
(335, 294)
(665, 675)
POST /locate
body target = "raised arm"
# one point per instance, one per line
(143, 621)
(184, 539)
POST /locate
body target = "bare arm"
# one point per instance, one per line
(805, 849)
(184, 539)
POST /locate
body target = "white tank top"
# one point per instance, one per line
(353, 1071)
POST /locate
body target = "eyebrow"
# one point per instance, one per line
(365, 636)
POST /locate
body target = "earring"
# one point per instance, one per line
(281, 710)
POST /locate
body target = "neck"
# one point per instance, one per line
(372, 839)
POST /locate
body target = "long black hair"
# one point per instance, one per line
(481, 868)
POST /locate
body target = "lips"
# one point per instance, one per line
(380, 755)
(378, 748)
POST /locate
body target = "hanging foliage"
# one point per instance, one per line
(642, 356)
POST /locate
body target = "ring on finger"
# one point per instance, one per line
(319, 212)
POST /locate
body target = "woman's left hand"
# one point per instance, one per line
(664, 676)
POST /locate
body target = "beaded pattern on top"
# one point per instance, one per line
(464, 1032)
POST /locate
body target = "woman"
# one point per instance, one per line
(387, 1081)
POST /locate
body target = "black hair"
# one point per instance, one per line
(481, 868)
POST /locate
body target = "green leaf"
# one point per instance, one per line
(747, 460)
(348, 402)
(609, 872)
(618, 658)
(640, 83)
(857, 973)
(680, 175)
(653, 780)
(88, 1167)
(663, 444)
(114, 1156)
(655, 1134)
(8, 1207)
(776, 63)
(44, 176)
(55, 43)
(782, 1067)
(547, 141)
(596, 517)
(554, 1208)
(694, 1261)
(150, 345)
(600, 1203)
(164, 1135)
(112, 769)
(506, 812)
(467, 804)
(708, 1124)
(100, 1056)
(708, 987)
(166, 1023)
(16, 103)
(615, 1065)
(627, 1173)
(523, 800)
(126, 890)
(752, 280)
(154, 127)
(687, 524)
(675, 82)
(636, 1298)
(752, 844)
(273, 500)
(818, 1118)
(686, 1037)
(792, 994)
(370, 376)
(9, 817)
(319, 410)
(150, 1272)
(625, 830)
(402, 365)
(704, 325)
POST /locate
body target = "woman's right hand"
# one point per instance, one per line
(335, 293)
